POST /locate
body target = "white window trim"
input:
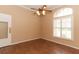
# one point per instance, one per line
(72, 29)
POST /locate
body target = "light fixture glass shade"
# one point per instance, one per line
(45, 7)
(38, 13)
(44, 12)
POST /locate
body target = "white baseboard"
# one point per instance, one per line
(18, 42)
(36, 39)
(24, 41)
(62, 44)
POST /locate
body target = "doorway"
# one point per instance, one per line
(5, 29)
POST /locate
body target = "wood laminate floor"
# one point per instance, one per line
(39, 46)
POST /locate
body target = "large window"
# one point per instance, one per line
(63, 23)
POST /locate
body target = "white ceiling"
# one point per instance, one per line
(39, 6)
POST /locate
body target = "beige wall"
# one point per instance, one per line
(25, 25)
(47, 28)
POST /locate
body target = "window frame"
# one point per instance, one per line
(61, 36)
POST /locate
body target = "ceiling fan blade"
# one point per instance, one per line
(49, 10)
(34, 9)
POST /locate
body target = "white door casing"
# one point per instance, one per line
(6, 18)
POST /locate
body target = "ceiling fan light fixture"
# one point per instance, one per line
(44, 6)
(38, 13)
(41, 11)
(44, 12)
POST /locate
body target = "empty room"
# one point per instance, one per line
(39, 29)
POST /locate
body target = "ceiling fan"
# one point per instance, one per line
(41, 11)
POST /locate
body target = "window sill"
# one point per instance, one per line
(63, 38)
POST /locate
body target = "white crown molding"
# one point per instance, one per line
(22, 6)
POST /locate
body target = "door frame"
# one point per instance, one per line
(6, 18)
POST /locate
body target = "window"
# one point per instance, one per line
(63, 23)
